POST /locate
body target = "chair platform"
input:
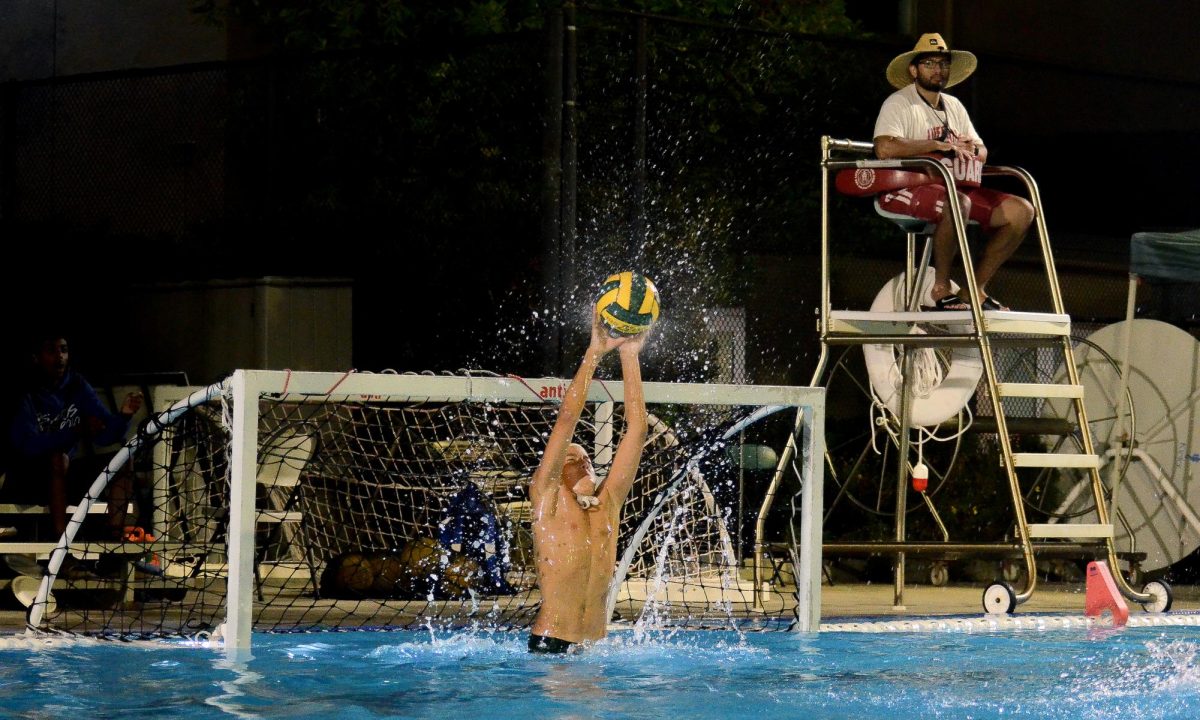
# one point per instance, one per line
(865, 322)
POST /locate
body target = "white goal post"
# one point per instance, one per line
(280, 501)
(809, 403)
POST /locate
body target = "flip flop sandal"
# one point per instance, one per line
(951, 303)
(991, 303)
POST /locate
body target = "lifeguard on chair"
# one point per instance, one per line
(921, 120)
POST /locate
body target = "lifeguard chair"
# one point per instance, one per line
(896, 323)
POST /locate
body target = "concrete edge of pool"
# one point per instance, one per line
(857, 607)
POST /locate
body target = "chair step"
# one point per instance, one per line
(89, 550)
(278, 516)
(283, 571)
(41, 550)
(1039, 390)
(1070, 530)
(1056, 460)
(279, 480)
(1014, 425)
(96, 508)
(1027, 323)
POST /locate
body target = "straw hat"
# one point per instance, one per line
(962, 63)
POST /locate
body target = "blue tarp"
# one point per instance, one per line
(1167, 256)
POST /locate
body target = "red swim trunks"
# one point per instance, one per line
(928, 202)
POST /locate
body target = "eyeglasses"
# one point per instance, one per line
(935, 64)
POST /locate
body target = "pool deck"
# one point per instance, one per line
(856, 602)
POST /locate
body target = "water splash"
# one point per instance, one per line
(655, 611)
(1177, 659)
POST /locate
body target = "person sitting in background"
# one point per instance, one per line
(56, 410)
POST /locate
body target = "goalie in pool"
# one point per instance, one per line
(576, 516)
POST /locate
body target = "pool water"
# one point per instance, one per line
(1131, 672)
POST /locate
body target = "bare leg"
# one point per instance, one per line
(945, 249)
(120, 489)
(58, 465)
(1009, 223)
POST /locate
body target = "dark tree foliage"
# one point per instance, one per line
(400, 143)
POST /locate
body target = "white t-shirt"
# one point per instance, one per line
(905, 114)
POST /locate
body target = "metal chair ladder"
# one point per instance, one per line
(978, 328)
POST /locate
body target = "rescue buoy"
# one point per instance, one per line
(938, 393)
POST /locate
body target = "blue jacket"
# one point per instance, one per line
(470, 527)
(51, 419)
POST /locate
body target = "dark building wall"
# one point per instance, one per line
(41, 39)
(1140, 39)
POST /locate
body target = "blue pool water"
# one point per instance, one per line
(1134, 672)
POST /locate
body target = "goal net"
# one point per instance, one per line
(298, 501)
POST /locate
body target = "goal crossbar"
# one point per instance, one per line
(435, 388)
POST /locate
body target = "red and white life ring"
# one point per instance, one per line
(932, 402)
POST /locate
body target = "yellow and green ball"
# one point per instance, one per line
(628, 304)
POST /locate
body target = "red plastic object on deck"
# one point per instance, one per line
(1102, 594)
